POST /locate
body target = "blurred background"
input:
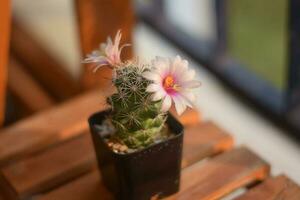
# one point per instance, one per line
(246, 54)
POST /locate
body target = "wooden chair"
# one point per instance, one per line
(4, 41)
(49, 155)
(98, 19)
(43, 80)
(37, 81)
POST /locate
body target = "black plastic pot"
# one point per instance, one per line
(154, 170)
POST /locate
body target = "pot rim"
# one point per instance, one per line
(179, 134)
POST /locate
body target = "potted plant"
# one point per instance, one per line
(138, 144)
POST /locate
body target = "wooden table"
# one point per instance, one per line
(50, 157)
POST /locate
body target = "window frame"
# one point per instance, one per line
(275, 103)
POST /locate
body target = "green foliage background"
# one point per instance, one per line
(257, 36)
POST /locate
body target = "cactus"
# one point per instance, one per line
(144, 93)
(137, 119)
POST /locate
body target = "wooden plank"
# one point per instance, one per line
(98, 19)
(4, 43)
(49, 127)
(274, 188)
(203, 140)
(45, 170)
(221, 175)
(26, 90)
(44, 67)
(210, 180)
(50, 168)
(87, 187)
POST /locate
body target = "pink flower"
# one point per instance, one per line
(108, 53)
(172, 81)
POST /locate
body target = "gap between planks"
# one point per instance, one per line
(56, 125)
(274, 188)
(210, 180)
(49, 127)
(57, 165)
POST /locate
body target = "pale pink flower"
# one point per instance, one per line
(172, 81)
(108, 53)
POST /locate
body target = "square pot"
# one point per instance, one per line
(154, 170)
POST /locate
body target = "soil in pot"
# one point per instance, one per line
(117, 146)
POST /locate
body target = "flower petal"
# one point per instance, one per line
(188, 75)
(175, 64)
(102, 47)
(191, 84)
(158, 95)
(99, 59)
(118, 38)
(189, 98)
(166, 104)
(161, 65)
(180, 104)
(152, 76)
(153, 88)
(179, 65)
(123, 46)
(98, 66)
(108, 52)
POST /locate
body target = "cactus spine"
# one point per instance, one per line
(137, 119)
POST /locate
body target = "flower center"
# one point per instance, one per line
(169, 84)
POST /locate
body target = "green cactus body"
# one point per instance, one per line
(137, 119)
